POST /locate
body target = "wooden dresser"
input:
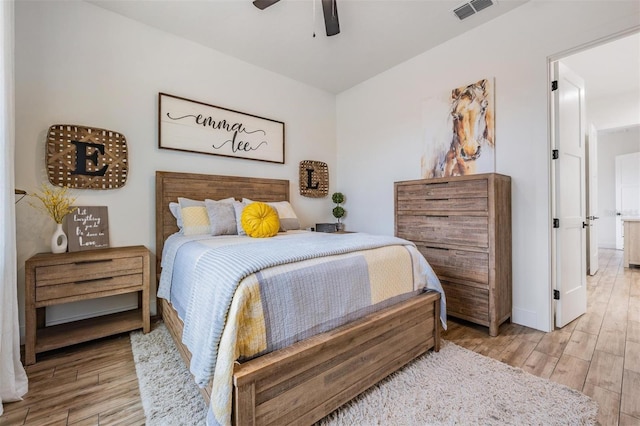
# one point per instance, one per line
(462, 226)
(53, 279)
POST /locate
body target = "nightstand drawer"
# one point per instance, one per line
(107, 286)
(87, 270)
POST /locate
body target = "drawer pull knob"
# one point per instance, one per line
(437, 248)
(84, 262)
(93, 279)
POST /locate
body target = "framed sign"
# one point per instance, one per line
(192, 126)
(87, 228)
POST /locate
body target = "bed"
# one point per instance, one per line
(303, 382)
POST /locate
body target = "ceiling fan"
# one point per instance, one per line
(329, 9)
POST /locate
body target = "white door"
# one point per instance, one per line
(569, 197)
(627, 191)
(592, 204)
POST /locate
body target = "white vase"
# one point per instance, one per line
(58, 240)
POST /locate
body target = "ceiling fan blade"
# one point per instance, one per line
(263, 4)
(330, 10)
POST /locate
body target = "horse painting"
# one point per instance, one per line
(466, 136)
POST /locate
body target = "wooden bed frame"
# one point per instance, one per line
(304, 382)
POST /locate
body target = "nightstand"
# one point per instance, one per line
(53, 279)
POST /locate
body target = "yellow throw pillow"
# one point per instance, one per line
(259, 220)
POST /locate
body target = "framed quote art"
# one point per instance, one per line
(87, 228)
(193, 126)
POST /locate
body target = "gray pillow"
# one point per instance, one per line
(222, 217)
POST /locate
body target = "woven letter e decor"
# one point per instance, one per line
(86, 157)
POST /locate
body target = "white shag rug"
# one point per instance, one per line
(469, 389)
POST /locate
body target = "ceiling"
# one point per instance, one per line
(375, 34)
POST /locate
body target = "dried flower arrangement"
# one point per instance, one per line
(56, 202)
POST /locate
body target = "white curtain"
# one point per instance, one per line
(13, 379)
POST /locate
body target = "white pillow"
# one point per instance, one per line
(174, 208)
(288, 218)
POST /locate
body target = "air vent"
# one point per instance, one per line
(464, 11)
(468, 9)
(478, 5)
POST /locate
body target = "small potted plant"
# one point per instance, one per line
(338, 211)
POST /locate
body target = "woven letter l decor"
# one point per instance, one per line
(314, 179)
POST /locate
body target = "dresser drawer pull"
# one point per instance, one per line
(92, 280)
(85, 262)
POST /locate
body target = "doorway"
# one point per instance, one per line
(609, 69)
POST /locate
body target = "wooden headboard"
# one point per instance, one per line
(171, 185)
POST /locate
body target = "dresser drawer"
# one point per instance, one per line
(87, 270)
(111, 285)
(460, 196)
(458, 230)
(466, 302)
(458, 264)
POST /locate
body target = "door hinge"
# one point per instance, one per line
(555, 154)
(554, 85)
(556, 295)
(556, 223)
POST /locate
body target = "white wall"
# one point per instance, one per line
(79, 64)
(614, 111)
(379, 125)
(611, 143)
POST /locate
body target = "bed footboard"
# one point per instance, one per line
(308, 380)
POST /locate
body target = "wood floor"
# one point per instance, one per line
(598, 354)
(87, 384)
